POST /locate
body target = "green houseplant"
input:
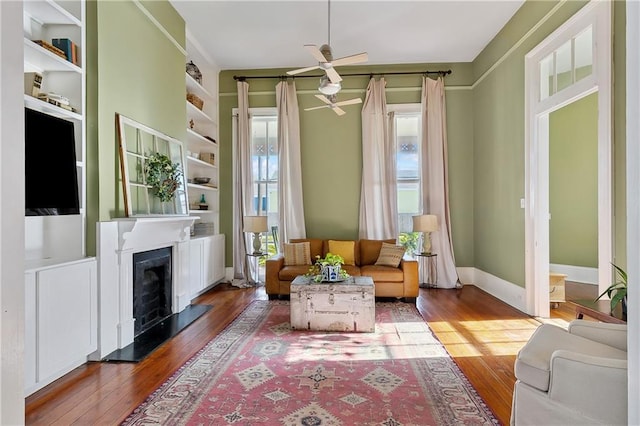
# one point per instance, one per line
(617, 291)
(328, 268)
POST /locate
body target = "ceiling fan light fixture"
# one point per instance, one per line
(327, 87)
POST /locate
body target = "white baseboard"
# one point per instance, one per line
(579, 274)
(506, 291)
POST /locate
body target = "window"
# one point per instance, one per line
(407, 125)
(264, 169)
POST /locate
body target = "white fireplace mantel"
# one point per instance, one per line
(118, 241)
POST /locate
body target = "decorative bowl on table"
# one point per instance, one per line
(201, 180)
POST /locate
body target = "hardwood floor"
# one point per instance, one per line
(480, 332)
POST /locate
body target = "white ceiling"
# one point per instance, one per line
(270, 34)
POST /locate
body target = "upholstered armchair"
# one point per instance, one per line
(572, 377)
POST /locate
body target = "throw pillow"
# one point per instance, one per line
(346, 249)
(297, 254)
(390, 255)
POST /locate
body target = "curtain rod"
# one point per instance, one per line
(371, 74)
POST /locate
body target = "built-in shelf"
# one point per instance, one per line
(48, 12)
(197, 89)
(39, 59)
(201, 163)
(196, 211)
(192, 110)
(46, 107)
(198, 138)
(204, 187)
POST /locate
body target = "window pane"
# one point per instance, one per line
(407, 135)
(546, 77)
(583, 54)
(564, 69)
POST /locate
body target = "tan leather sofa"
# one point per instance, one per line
(389, 281)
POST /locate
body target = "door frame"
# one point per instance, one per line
(598, 15)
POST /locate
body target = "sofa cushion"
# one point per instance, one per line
(382, 273)
(297, 253)
(289, 273)
(390, 255)
(346, 249)
(315, 246)
(533, 363)
(352, 270)
(370, 250)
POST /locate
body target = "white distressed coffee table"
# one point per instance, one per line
(343, 306)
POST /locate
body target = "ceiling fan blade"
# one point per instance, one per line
(318, 107)
(301, 70)
(333, 75)
(349, 102)
(315, 52)
(324, 99)
(353, 59)
(338, 111)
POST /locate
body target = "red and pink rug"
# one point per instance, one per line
(260, 371)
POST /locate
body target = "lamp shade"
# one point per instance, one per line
(255, 224)
(425, 223)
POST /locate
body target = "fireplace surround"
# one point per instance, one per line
(118, 241)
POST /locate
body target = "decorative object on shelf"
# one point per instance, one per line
(208, 157)
(256, 225)
(57, 100)
(203, 203)
(192, 124)
(618, 290)
(328, 269)
(201, 180)
(162, 175)
(32, 83)
(426, 224)
(69, 48)
(194, 72)
(51, 48)
(195, 101)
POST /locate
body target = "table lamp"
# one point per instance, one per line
(257, 225)
(426, 224)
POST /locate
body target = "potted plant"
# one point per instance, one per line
(617, 291)
(328, 268)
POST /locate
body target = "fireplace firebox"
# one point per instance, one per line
(152, 288)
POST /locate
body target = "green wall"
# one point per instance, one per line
(135, 70)
(499, 115)
(573, 183)
(331, 148)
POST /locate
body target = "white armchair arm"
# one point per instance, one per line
(595, 387)
(609, 334)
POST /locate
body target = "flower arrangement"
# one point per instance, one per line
(162, 175)
(328, 268)
(617, 291)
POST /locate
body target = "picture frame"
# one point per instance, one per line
(152, 166)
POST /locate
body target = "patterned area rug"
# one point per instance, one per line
(260, 371)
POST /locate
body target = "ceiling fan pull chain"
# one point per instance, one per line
(329, 22)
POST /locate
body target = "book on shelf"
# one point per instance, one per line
(51, 48)
(69, 48)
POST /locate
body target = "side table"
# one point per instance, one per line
(429, 271)
(254, 257)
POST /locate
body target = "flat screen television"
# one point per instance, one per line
(51, 184)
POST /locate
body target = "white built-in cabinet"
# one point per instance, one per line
(206, 262)
(207, 265)
(60, 282)
(61, 320)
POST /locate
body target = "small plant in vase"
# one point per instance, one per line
(328, 269)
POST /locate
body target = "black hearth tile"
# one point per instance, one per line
(151, 339)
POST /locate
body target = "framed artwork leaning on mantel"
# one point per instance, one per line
(153, 172)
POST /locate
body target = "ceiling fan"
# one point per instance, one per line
(330, 102)
(324, 56)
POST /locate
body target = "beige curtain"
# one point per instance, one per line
(242, 180)
(435, 185)
(378, 199)
(290, 205)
